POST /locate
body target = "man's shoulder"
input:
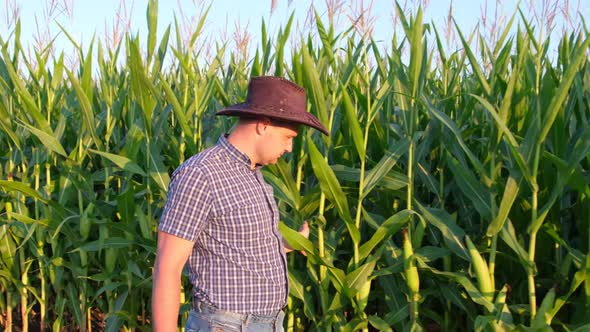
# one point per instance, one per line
(204, 162)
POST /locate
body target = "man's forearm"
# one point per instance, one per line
(165, 302)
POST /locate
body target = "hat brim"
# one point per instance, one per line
(305, 118)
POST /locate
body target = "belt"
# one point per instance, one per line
(244, 318)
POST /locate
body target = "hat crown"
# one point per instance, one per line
(277, 98)
(276, 93)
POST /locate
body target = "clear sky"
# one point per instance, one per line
(83, 18)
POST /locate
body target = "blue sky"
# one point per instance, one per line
(82, 19)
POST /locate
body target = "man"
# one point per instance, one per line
(222, 217)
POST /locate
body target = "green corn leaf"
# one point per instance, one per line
(380, 63)
(70, 38)
(508, 235)
(338, 278)
(142, 87)
(390, 226)
(462, 280)
(452, 233)
(146, 223)
(430, 253)
(428, 179)
(72, 293)
(199, 27)
(8, 250)
(157, 67)
(282, 193)
(471, 188)
(395, 317)
(563, 177)
(331, 187)
(440, 47)
(384, 166)
(325, 38)
(586, 281)
(580, 277)
(455, 296)
(314, 89)
(109, 287)
(404, 21)
(353, 122)
(356, 279)
(577, 256)
(507, 27)
(298, 242)
(542, 318)
(110, 243)
(417, 50)
(158, 170)
(297, 289)
(152, 24)
(445, 120)
(475, 66)
(22, 92)
(86, 74)
(510, 193)
(379, 323)
(356, 324)
(352, 65)
(582, 328)
(280, 46)
(178, 111)
(48, 140)
(6, 126)
(563, 89)
(346, 173)
(121, 161)
(499, 121)
(28, 220)
(283, 171)
(115, 322)
(87, 112)
(295, 286)
(10, 186)
(502, 311)
(126, 205)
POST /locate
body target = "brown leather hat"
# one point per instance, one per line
(276, 98)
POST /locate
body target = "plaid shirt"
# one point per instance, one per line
(238, 261)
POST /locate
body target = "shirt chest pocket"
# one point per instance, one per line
(248, 215)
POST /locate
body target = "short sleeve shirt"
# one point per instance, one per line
(227, 209)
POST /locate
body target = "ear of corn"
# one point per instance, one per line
(482, 272)
(410, 269)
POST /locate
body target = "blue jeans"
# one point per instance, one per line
(206, 318)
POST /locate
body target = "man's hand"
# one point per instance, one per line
(304, 231)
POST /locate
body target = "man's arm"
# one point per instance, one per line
(171, 256)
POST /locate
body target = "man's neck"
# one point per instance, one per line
(242, 140)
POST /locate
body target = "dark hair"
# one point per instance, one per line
(273, 121)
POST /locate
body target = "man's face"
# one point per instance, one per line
(278, 139)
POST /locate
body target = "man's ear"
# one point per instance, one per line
(262, 124)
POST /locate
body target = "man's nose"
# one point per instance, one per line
(289, 146)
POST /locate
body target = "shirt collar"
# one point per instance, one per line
(235, 154)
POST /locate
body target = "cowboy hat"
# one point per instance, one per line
(276, 98)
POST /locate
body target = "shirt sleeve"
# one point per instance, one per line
(188, 204)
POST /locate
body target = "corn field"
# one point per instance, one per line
(449, 196)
